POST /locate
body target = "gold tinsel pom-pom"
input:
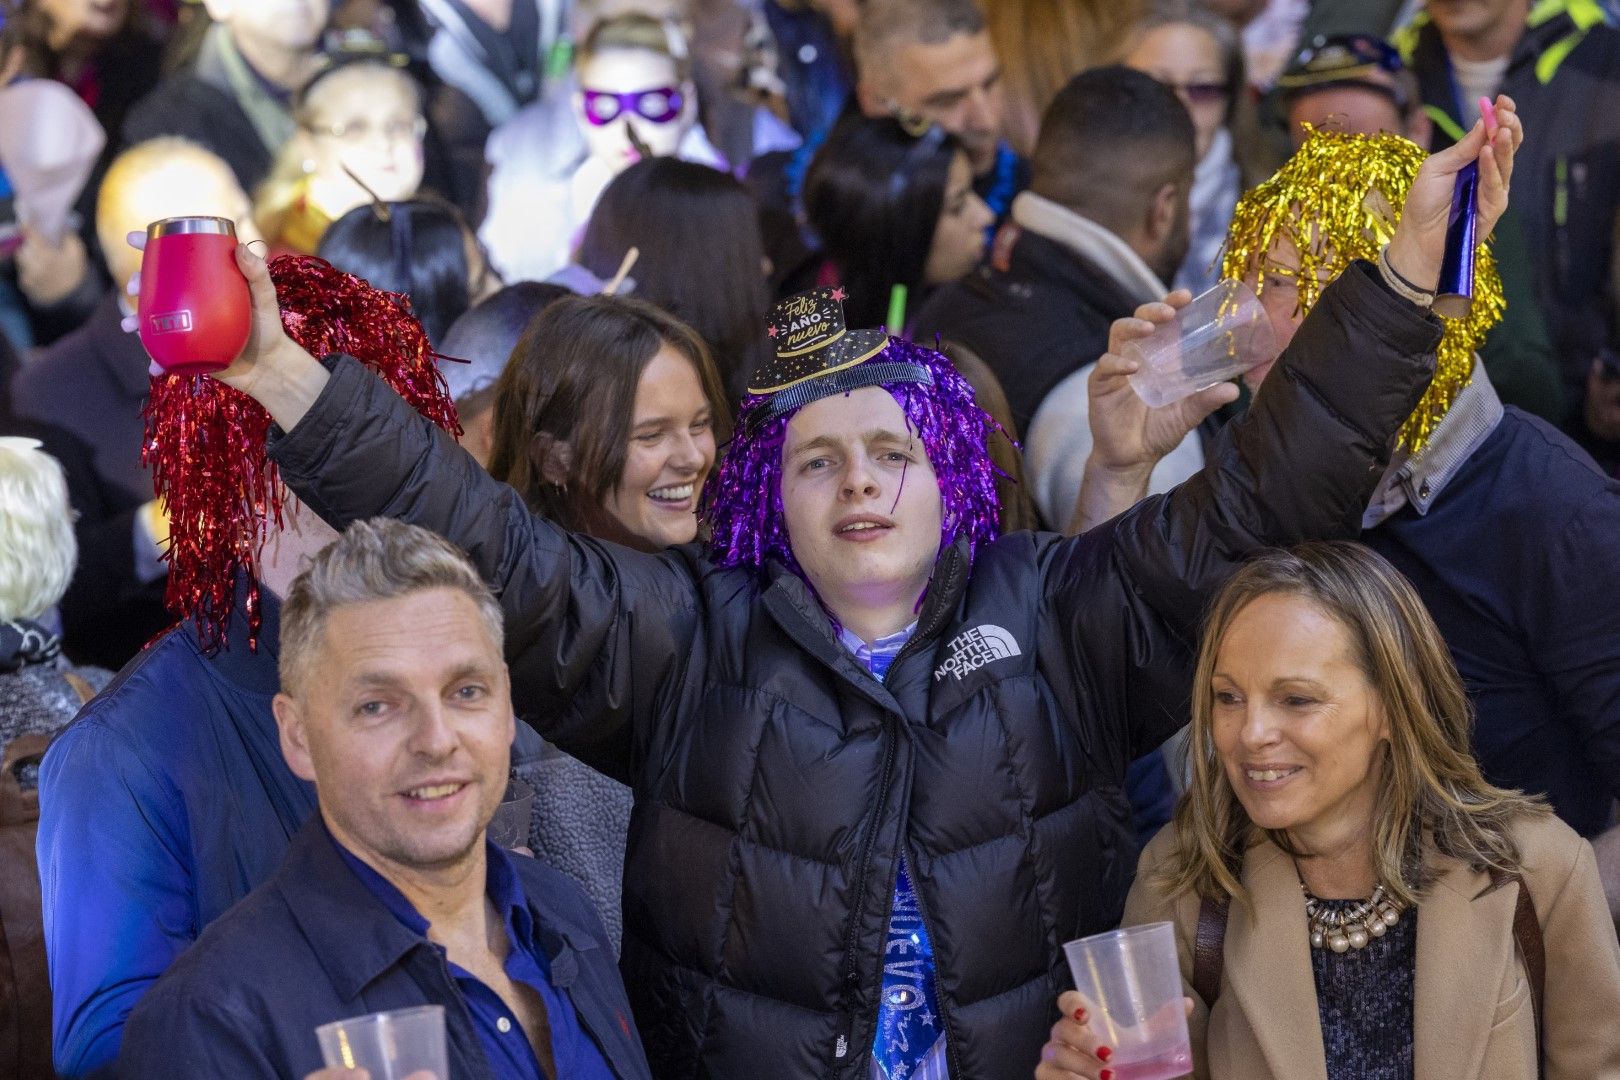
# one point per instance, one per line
(1337, 200)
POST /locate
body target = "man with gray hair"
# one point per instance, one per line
(396, 703)
(929, 62)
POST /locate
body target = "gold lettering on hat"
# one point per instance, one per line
(815, 343)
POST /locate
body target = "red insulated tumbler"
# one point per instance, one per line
(195, 309)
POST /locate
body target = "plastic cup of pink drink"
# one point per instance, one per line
(1132, 980)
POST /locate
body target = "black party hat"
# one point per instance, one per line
(818, 356)
(811, 340)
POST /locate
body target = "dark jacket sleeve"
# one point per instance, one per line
(175, 1035)
(596, 634)
(186, 106)
(1575, 637)
(118, 895)
(1300, 465)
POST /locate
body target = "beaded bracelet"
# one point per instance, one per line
(1423, 298)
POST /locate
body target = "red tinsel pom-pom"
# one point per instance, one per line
(205, 443)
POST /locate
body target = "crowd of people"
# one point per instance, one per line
(706, 429)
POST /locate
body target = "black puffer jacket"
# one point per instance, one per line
(777, 784)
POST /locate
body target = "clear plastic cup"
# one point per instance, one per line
(1218, 336)
(395, 1045)
(509, 828)
(1132, 977)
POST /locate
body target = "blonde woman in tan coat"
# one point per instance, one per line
(1368, 906)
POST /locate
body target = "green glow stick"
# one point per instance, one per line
(896, 322)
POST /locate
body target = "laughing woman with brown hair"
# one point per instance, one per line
(607, 419)
(1351, 898)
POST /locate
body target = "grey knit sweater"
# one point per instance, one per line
(579, 823)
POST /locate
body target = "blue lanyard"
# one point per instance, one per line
(1004, 187)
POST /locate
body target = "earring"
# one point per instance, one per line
(309, 166)
(913, 123)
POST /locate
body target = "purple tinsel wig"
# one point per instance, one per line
(743, 503)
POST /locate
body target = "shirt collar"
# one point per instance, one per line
(506, 892)
(1417, 479)
(878, 655)
(254, 670)
(1090, 241)
(383, 890)
(337, 913)
(501, 885)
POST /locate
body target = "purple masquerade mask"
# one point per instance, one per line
(659, 105)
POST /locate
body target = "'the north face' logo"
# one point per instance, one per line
(972, 649)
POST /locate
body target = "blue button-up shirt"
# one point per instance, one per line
(510, 1056)
(879, 657)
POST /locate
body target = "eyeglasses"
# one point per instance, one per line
(659, 105)
(362, 130)
(1200, 93)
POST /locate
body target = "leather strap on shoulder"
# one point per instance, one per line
(1209, 949)
(1527, 933)
(82, 689)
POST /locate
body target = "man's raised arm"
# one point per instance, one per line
(1300, 465)
(351, 449)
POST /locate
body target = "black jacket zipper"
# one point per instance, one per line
(852, 974)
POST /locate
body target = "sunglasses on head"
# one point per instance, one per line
(659, 105)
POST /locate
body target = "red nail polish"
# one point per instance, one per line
(1106, 1074)
(1104, 1053)
(1080, 1016)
